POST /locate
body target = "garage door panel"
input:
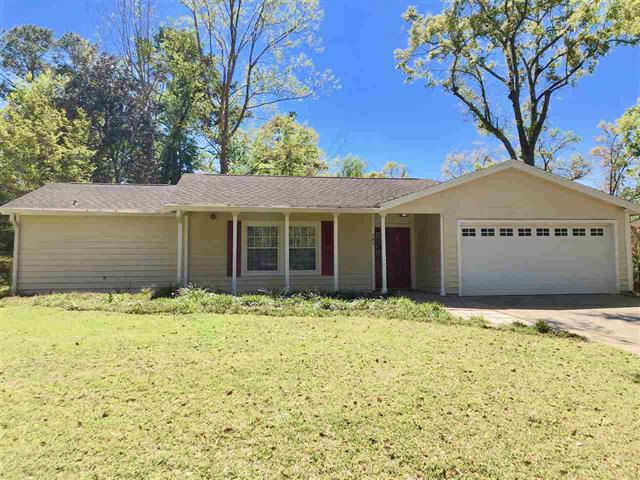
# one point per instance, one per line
(538, 264)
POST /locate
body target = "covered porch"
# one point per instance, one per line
(249, 250)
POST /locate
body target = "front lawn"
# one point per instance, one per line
(112, 395)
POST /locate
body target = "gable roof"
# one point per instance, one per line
(91, 197)
(293, 192)
(202, 191)
(513, 164)
(241, 191)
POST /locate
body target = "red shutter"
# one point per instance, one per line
(326, 238)
(230, 248)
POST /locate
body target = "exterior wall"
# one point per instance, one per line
(512, 194)
(98, 253)
(427, 235)
(208, 253)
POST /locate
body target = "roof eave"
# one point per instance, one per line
(76, 211)
(209, 207)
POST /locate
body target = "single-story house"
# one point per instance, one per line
(508, 229)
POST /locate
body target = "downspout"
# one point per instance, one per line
(15, 221)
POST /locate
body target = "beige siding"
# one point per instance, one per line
(512, 194)
(427, 252)
(208, 253)
(96, 252)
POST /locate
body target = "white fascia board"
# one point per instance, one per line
(76, 211)
(280, 209)
(592, 192)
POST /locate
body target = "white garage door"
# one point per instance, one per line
(519, 259)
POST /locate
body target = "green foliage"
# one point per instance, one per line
(542, 327)
(201, 300)
(38, 143)
(351, 166)
(354, 166)
(283, 146)
(514, 56)
(25, 52)
(117, 396)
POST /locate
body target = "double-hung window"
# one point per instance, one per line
(303, 247)
(262, 248)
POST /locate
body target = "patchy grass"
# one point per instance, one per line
(198, 300)
(112, 395)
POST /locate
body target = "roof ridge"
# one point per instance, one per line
(114, 184)
(306, 176)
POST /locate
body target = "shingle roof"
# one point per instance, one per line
(229, 190)
(294, 192)
(87, 196)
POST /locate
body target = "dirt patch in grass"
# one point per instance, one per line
(111, 395)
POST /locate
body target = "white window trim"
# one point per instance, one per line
(262, 273)
(281, 247)
(317, 270)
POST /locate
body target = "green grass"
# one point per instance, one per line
(112, 395)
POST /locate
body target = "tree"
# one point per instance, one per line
(135, 27)
(101, 89)
(551, 145)
(460, 163)
(283, 146)
(252, 55)
(618, 161)
(351, 166)
(179, 103)
(522, 52)
(391, 170)
(38, 143)
(629, 124)
(25, 52)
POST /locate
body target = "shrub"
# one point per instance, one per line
(273, 303)
(542, 327)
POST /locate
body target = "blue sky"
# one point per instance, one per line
(375, 114)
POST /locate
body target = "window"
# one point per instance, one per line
(262, 248)
(488, 232)
(468, 232)
(560, 232)
(524, 232)
(597, 232)
(579, 232)
(506, 232)
(542, 232)
(302, 247)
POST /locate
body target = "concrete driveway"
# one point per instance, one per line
(611, 319)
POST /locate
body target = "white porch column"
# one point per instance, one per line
(185, 251)
(180, 245)
(336, 281)
(234, 255)
(15, 220)
(287, 283)
(383, 245)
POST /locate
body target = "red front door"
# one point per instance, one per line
(398, 258)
